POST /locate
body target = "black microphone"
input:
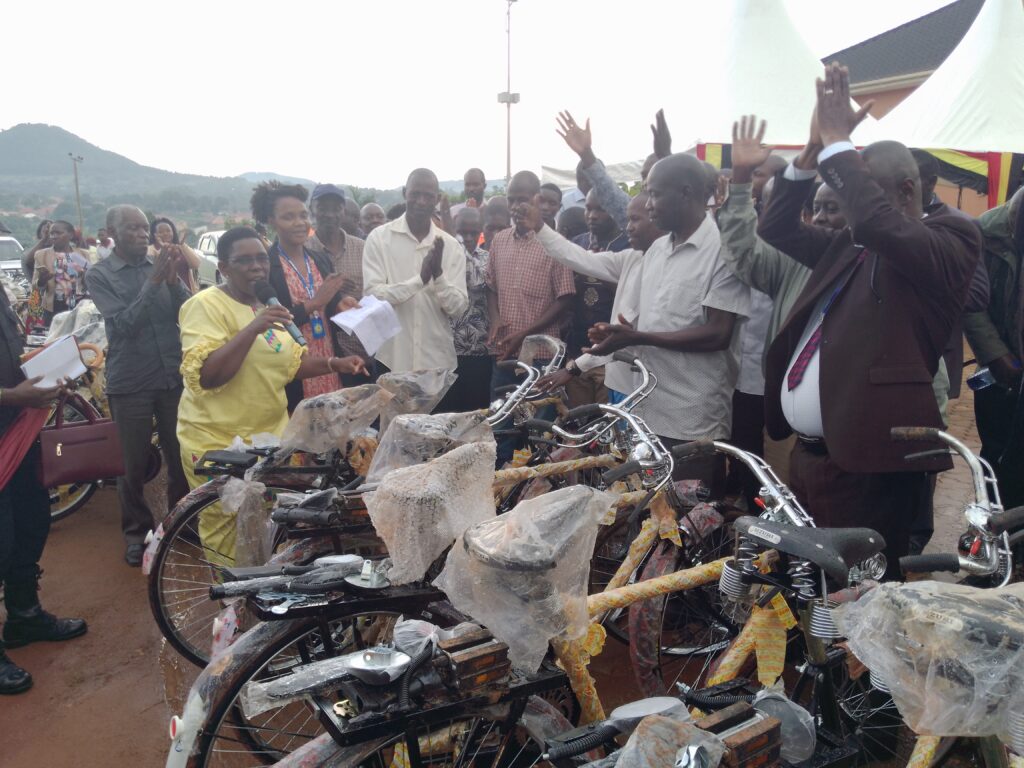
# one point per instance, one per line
(265, 293)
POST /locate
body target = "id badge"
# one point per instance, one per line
(317, 324)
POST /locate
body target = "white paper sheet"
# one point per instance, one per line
(373, 322)
(59, 360)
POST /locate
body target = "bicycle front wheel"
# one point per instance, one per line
(183, 570)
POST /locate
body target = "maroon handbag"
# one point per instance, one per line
(79, 451)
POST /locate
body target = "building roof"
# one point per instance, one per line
(915, 48)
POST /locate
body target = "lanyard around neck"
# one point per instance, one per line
(307, 282)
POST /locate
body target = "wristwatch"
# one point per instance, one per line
(572, 368)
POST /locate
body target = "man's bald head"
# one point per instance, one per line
(474, 184)
(762, 173)
(893, 166)
(677, 186)
(649, 162)
(421, 194)
(371, 216)
(468, 216)
(116, 213)
(422, 174)
(130, 229)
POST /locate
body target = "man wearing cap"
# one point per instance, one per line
(345, 252)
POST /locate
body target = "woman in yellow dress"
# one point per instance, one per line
(236, 361)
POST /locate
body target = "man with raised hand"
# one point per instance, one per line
(861, 345)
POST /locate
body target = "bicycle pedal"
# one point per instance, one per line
(344, 708)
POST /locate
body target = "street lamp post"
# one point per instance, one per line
(75, 160)
(507, 97)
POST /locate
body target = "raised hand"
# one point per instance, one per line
(836, 118)
(331, 284)
(748, 148)
(662, 138)
(436, 257)
(163, 265)
(578, 139)
(351, 364)
(528, 214)
(609, 337)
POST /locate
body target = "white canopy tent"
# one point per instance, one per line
(970, 112)
(765, 69)
(974, 101)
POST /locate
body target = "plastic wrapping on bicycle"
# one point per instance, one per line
(507, 365)
(694, 449)
(915, 434)
(939, 562)
(623, 470)
(1010, 520)
(304, 516)
(263, 571)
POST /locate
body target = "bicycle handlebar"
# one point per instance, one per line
(1010, 520)
(915, 434)
(616, 473)
(942, 561)
(694, 449)
(299, 515)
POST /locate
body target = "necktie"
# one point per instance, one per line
(796, 373)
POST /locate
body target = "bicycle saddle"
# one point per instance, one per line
(834, 550)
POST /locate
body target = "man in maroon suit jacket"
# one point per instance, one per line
(858, 352)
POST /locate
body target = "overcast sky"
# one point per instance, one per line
(361, 92)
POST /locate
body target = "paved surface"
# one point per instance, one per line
(100, 700)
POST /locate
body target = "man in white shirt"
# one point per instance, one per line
(420, 270)
(690, 306)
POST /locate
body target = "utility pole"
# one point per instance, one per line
(507, 97)
(75, 160)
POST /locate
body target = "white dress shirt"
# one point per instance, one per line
(392, 260)
(802, 405)
(621, 268)
(680, 282)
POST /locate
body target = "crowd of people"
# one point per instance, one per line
(824, 297)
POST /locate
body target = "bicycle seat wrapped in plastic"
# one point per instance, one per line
(414, 392)
(419, 511)
(950, 654)
(327, 422)
(416, 438)
(524, 574)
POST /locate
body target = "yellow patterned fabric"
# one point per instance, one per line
(665, 515)
(924, 751)
(640, 546)
(573, 658)
(765, 636)
(513, 475)
(662, 585)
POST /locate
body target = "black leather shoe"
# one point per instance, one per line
(13, 679)
(133, 554)
(35, 624)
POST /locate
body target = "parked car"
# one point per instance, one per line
(207, 250)
(10, 268)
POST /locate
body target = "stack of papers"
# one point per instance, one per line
(58, 360)
(373, 322)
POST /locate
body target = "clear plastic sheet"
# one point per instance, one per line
(327, 422)
(419, 511)
(539, 349)
(253, 529)
(412, 635)
(414, 392)
(657, 740)
(524, 574)
(951, 654)
(317, 676)
(84, 322)
(414, 439)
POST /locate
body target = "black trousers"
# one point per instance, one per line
(995, 410)
(134, 415)
(472, 390)
(748, 435)
(886, 502)
(24, 526)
